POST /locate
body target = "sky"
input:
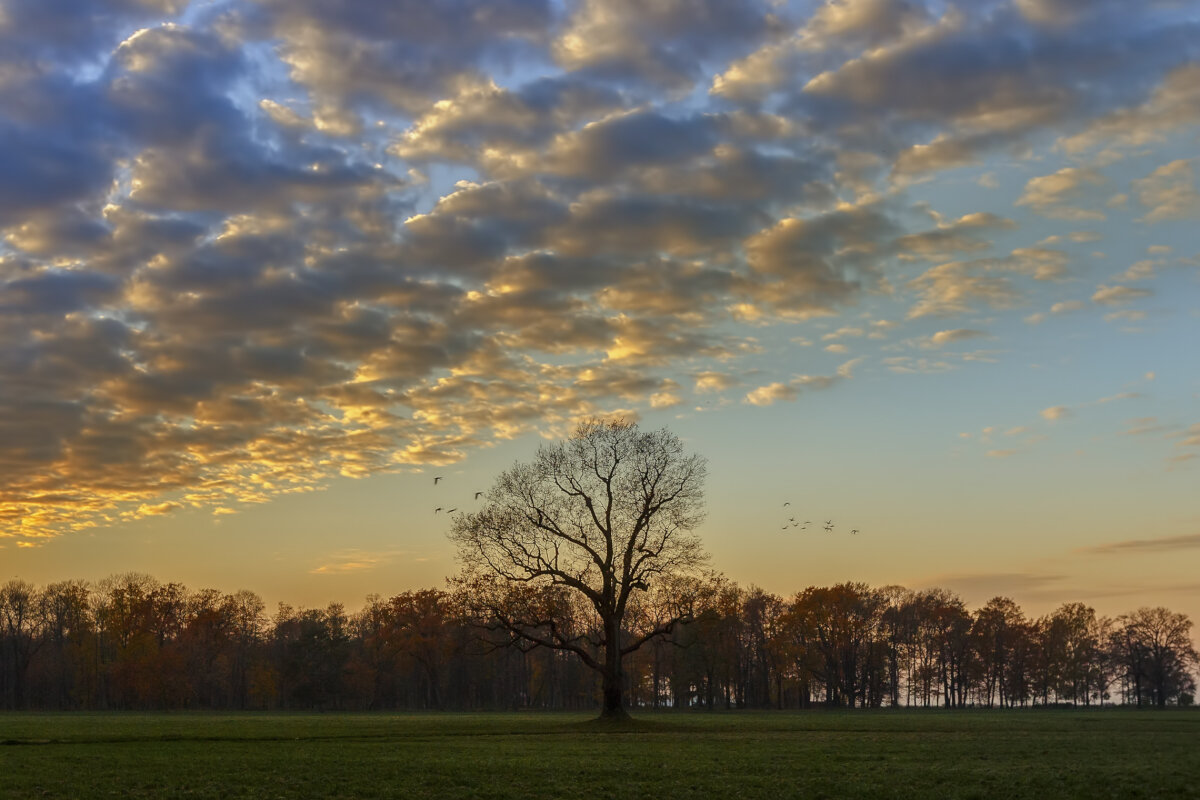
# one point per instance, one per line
(928, 269)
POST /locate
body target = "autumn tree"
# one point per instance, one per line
(1155, 649)
(997, 629)
(18, 635)
(1072, 647)
(66, 623)
(596, 520)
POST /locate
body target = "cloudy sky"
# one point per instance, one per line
(928, 268)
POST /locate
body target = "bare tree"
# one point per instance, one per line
(593, 521)
(1156, 651)
(19, 630)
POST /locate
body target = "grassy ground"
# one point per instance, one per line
(1022, 754)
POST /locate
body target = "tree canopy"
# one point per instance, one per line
(602, 520)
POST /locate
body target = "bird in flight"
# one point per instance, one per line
(828, 527)
(436, 510)
(478, 495)
(452, 510)
(436, 479)
(854, 532)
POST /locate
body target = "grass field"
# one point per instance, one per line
(1022, 754)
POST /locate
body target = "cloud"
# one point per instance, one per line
(1067, 306)
(1055, 413)
(1174, 104)
(401, 57)
(990, 584)
(1165, 544)
(813, 264)
(711, 381)
(1190, 437)
(1169, 192)
(1141, 270)
(953, 288)
(665, 400)
(871, 22)
(907, 365)
(777, 391)
(1064, 12)
(1143, 426)
(349, 561)
(771, 393)
(1116, 295)
(948, 91)
(156, 510)
(493, 127)
(74, 32)
(956, 335)
(664, 44)
(833, 27)
(846, 331)
(1052, 195)
(961, 235)
(1125, 315)
(250, 248)
(1119, 396)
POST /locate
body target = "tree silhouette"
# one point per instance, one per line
(588, 526)
(1157, 654)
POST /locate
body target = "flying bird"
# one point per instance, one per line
(435, 480)
(451, 511)
(854, 532)
(478, 495)
(786, 504)
(436, 510)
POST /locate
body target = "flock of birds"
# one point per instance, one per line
(792, 522)
(438, 479)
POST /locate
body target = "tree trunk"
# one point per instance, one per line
(613, 707)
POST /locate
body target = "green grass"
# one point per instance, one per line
(1022, 754)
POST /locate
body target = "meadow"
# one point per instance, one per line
(1116, 753)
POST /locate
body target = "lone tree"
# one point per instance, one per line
(590, 525)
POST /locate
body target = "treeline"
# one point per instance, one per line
(131, 642)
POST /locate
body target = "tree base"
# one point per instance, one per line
(614, 715)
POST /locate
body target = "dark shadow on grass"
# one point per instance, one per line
(628, 725)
